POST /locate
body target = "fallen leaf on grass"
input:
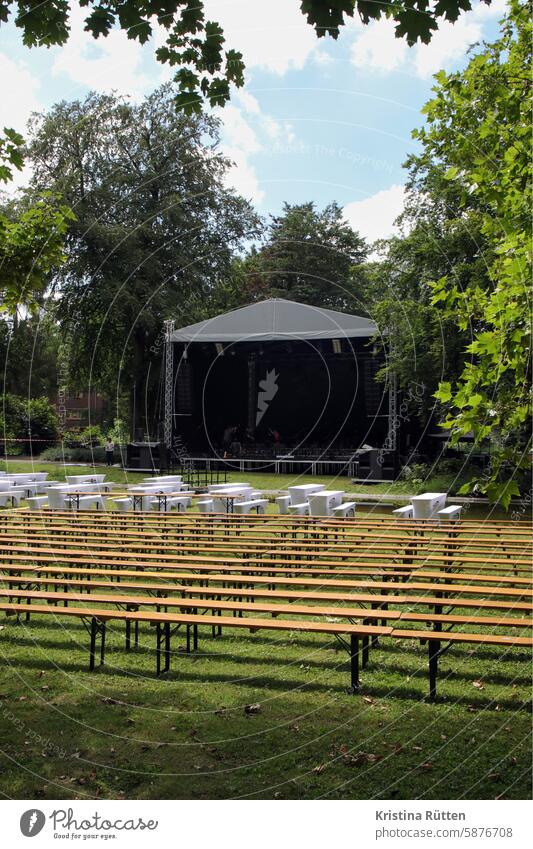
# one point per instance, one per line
(479, 685)
(426, 765)
(251, 709)
(320, 768)
(368, 700)
(361, 758)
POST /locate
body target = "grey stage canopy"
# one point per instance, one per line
(275, 319)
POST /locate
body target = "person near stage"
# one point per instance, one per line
(109, 451)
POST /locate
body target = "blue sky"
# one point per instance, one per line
(317, 120)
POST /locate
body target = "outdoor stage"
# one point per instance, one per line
(280, 386)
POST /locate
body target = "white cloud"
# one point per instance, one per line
(272, 35)
(246, 131)
(376, 47)
(104, 64)
(20, 94)
(19, 99)
(374, 216)
(242, 176)
(448, 46)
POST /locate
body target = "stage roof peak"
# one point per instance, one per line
(277, 319)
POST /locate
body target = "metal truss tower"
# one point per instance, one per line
(169, 384)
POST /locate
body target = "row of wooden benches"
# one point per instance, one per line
(218, 585)
(272, 571)
(151, 539)
(43, 551)
(444, 593)
(357, 627)
(238, 524)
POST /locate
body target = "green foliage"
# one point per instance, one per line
(76, 454)
(478, 134)
(423, 344)
(309, 256)
(28, 355)
(416, 473)
(30, 418)
(197, 44)
(119, 433)
(88, 437)
(31, 236)
(31, 246)
(11, 155)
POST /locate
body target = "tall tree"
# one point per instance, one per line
(29, 355)
(477, 140)
(308, 255)
(198, 44)
(31, 234)
(424, 344)
(155, 227)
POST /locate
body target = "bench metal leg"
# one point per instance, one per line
(365, 653)
(162, 647)
(354, 663)
(97, 628)
(433, 654)
(102, 642)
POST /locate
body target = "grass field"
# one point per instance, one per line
(68, 733)
(122, 733)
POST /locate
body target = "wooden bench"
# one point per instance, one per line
(291, 547)
(98, 618)
(436, 638)
(272, 572)
(282, 558)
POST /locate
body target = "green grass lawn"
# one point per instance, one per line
(121, 732)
